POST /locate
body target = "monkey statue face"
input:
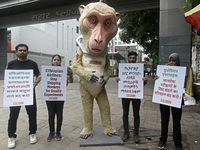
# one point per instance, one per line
(98, 25)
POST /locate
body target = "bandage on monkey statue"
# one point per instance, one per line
(98, 25)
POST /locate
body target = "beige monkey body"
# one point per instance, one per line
(98, 25)
(83, 65)
(96, 65)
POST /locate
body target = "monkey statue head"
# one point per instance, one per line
(98, 25)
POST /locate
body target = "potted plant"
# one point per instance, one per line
(70, 74)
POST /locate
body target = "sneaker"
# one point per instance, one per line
(58, 136)
(33, 138)
(51, 136)
(11, 142)
(161, 144)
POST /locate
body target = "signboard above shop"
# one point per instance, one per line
(26, 12)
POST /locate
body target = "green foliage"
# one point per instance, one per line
(69, 72)
(142, 27)
(189, 3)
(146, 59)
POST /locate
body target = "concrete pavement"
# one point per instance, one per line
(73, 120)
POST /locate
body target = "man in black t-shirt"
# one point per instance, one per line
(22, 63)
(132, 58)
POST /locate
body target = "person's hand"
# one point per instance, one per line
(171, 64)
(156, 77)
(145, 79)
(117, 79)
(38, 79)
(34, 85)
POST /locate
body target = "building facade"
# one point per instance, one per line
(47, 39)
(123, 48)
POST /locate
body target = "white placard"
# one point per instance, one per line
(18, 88)
(131, 83)
(168, 88)
(53, 83)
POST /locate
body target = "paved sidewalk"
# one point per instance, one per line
(73, 120)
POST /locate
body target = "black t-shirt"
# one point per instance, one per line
(24, 65)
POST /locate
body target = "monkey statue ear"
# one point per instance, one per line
(118, 16)
(81, 8)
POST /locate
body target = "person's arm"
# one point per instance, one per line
(145, 80)
(38, 79)
(37, 74)
(67, 80)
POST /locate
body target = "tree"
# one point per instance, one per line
(142, 27)
(189, 2)
(69, 72)
(146, 59)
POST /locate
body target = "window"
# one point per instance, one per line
(77, 29)
(9, 40)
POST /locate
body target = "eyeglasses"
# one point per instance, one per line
(22, 50)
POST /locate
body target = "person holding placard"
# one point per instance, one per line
(176, 114)
(23, 63)
(132, 58)
(55, 108)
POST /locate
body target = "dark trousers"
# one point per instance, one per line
(32, 115)
(136, 109)
(176, 114)
(55, 107)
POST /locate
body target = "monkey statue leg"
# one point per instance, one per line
(87, 103)
(104, 107)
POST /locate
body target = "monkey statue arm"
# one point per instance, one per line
(79, 69)
(106, 75)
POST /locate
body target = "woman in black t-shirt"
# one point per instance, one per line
(55, 108)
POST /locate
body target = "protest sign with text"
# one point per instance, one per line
(53, 83)
(168, 88)
(18, 88)
(131, 83)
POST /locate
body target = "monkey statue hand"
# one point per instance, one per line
(94, 79)
(102, 81)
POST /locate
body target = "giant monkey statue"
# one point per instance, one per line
(98, 25)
